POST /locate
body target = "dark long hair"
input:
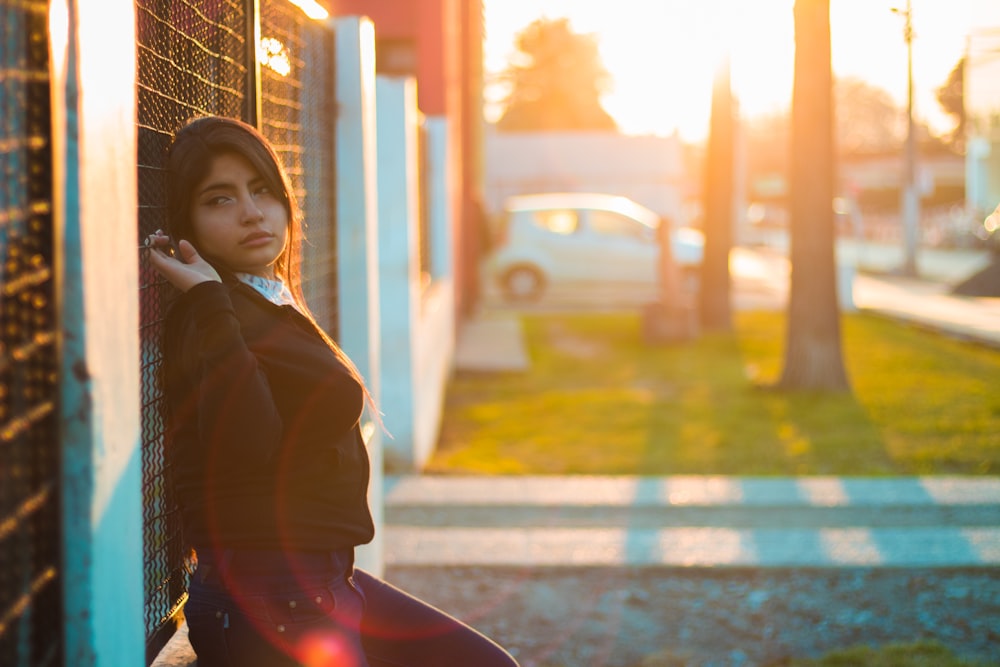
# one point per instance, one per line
(196, 144)
(189, 160)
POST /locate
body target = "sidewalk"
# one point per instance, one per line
(925, 301)
(491, 342)
(929, 304)
(692, 522)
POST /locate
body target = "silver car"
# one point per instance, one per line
(585, 240)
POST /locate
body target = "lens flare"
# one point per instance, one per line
(326, 649)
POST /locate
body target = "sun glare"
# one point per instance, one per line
(271, 53)
(312, 9)
(678, 56)
(663, 55)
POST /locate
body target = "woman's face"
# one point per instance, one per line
(237, 219)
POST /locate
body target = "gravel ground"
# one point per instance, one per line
(651, 617)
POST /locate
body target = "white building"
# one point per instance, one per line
(648, 169)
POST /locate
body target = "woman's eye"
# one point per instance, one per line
(262, 190)
(217, 201)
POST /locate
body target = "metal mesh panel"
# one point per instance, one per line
(298, 117)
(30, 577)
(191, 61)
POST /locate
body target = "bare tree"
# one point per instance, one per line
(713, 297)
(813, 354)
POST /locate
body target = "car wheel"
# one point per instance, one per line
(523, 283)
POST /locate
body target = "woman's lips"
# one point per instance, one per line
(257, 239)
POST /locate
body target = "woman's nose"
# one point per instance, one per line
(251, 212)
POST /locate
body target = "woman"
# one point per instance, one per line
(265, 448)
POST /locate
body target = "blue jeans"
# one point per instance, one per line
(321, 611)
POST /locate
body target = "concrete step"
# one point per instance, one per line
(693, 521)
(686, 490)
(941, 546)
(741, 516)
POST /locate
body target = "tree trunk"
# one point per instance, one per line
(813, 357)
(714, 292)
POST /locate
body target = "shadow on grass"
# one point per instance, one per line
(724, 419)
(597, 400)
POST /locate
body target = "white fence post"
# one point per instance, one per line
(439, 206)
(435, 336)
(357, 233)
(95, 197)
(399, 271)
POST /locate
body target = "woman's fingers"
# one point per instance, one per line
(183, 270)
(188, 253)
(160, 260)
(159, 240)
(190, 257)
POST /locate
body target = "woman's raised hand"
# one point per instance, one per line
(183, 271)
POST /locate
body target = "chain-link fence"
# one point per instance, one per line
(193, 59)
(30, 544)
(298, 114)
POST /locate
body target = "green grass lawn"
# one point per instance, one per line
(916, 654)
(597, 400)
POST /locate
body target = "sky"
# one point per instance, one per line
(662, 53)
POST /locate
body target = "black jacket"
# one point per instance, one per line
(264, 446)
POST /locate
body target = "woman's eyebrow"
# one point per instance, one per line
(226, 185)
(221, 185)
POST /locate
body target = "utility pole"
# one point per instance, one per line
(910, 197)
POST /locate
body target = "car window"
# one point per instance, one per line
(557, 221)
(615, 224)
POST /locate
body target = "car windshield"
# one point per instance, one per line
(557, 221)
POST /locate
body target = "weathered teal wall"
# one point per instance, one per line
(94, 111)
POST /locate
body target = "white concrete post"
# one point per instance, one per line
(399, 271)
(435, 355)
(94, 149)
(357, 233)
(435, 334)
(439, 206)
